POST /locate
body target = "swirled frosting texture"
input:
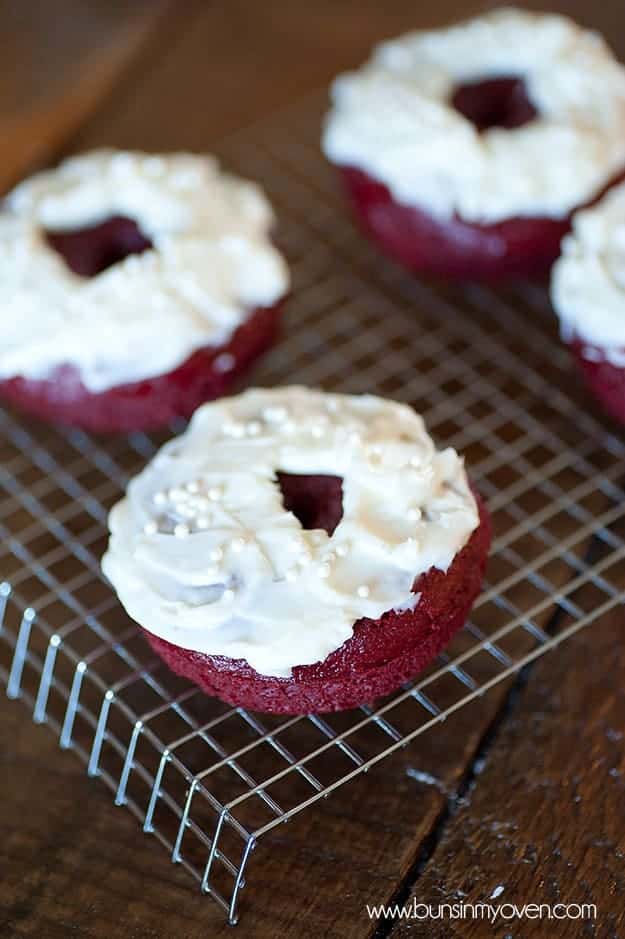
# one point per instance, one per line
(588, 281)
(393, 118)
(203, 553)
(212, 262)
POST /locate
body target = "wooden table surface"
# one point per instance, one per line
(524, 793)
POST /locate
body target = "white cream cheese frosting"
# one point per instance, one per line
(393, 118)
(211, 263)
(588, 280)
(203, 554)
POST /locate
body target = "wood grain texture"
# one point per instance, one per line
(76, 865)
(59, 61)
(240, 60)
(74, 860)
(545, 819)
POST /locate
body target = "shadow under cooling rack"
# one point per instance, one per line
(488, 374)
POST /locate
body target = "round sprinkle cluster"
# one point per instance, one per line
(183, 510)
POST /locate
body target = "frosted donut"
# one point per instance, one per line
(194, 265)
(483, 137)
(588, 295)
(254, 545)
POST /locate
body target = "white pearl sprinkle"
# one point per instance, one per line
(275, 415)
(291, 575)
(150, 528)
(341, 550)
(224, 362)
(122, 163)
(413, 514)
(181, 531)
(228, 595)
(216, 554)
(237, 544)
(159, 498)
(154, 166)
(416, 462)
(317, 431)
(254, 428)
(193, 487)
(176, 494)
(214, 494)
(363, 591)
(324, 570)
(202, 522)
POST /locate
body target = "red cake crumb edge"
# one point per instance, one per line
(455, 248)
(604, 380)
(152, 402)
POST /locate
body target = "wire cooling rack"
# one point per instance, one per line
(490, 377)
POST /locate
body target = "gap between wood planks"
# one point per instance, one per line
(386, 927)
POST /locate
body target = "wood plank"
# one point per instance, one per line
(76, 859)
(241, 61)
(59, 61)
(545, 821)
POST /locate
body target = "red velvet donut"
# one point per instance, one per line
(381, 655)
(150, 340)
(429, 125)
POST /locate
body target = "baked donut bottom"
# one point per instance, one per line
(604, 380)
(454, 248)
(152, 402)
(377, 659)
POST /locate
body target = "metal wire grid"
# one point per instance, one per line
(491, 379)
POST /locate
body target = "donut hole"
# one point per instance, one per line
(316, 500)
(89, 251)
(494, 102)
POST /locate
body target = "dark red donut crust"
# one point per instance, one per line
(153, 402)
(603, 379)
(381, 655)
(454, 248)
